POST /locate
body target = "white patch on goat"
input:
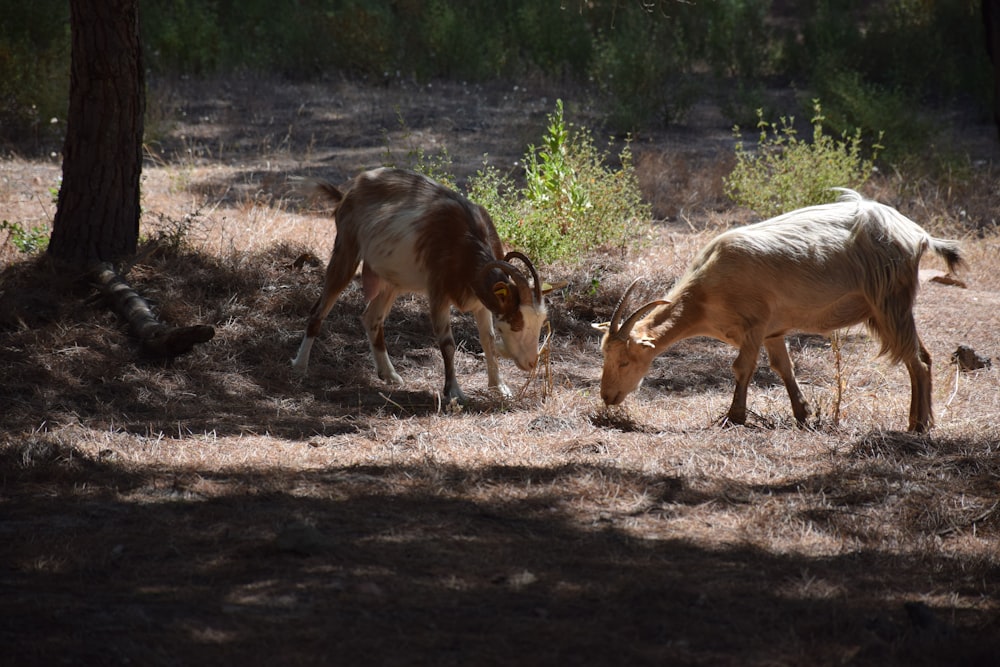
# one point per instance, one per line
(522, 346)
(389, 249)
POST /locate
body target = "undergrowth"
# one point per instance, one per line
(27, 240)
(647, 62)
(572, 200)
(786, 172)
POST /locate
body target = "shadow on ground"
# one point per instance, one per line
(404, 565)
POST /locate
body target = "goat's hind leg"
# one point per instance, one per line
(339, 272)
(374, 323)
(921, 412)
(441, 323)
(777, 356)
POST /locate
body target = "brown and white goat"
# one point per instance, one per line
(812, 270)
(415, 235)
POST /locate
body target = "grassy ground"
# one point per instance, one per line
(219, 509)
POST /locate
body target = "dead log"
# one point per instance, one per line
(156, 339)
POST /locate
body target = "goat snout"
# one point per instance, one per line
(612, 397)
(526, 364)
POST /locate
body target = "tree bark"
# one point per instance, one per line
(97, 219)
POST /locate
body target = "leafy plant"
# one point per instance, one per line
(27, 240)
(571, 201)
(852, 104)
(786, 172)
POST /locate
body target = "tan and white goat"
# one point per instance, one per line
(411, 234)
(812, 270)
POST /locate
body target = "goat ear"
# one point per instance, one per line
(551, 287)
(502, 292)
(647, 341)
(603, 327)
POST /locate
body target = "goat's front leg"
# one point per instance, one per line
(777, 356)
(743, 368)
(441, 324)
(374, 323)
(487, 338)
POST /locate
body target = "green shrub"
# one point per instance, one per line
(572, 202)
(738, 39)
(27, 240)
(850, 104)
(182, 36)
(927, 48)
(788, 173)
(639, 69)
(914, 51)
(34, 70)
(554, 40)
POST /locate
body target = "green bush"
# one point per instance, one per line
(34, 69)
(897, 54)
(27, 240)
(647, 62)
(554, 40)
(639, 69)
(927, 49)
(738, 40)
(572, 202)
(182, 36)
(850, 104)
(786, 172)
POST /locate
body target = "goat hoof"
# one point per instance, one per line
(731, 422)
(391, 378)
(504, 390)
(454, 401)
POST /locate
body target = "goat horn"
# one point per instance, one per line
(622, 331)
(523, 288)
(627, 325)
(513, 254)
(619, 309)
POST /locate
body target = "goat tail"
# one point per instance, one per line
(949, 251)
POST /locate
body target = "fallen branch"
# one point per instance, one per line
(156, 339)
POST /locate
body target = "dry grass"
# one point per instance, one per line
(219, 509)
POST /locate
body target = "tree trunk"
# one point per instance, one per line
(97, 219)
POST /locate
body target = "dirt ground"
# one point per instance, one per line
(219, 509)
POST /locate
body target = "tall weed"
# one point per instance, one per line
(786, 172)
(572, 201)
(435, 165)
